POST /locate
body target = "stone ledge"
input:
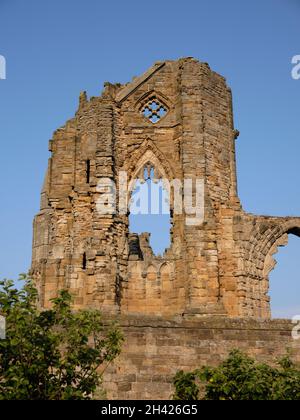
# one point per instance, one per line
(215, 323)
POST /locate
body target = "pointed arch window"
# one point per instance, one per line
(150, 208)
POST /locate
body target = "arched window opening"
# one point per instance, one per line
(284, 280)
(150, 209)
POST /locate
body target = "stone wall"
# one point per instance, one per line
(156, 349)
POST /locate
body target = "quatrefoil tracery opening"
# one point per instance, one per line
(154, 110)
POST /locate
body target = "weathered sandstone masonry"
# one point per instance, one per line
(218, 267)
(208, 293)
(156, 349)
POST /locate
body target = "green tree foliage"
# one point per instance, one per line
(239, 377)
(56, 354)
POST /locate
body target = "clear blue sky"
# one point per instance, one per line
(54, 49)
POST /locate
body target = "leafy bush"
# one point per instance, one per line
(53, 354)
(239, 377)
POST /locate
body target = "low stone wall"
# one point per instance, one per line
(156, 349)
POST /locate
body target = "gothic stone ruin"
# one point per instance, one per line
(209, 291)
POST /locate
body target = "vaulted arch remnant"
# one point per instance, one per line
(266, 238)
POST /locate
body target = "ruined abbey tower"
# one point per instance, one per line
(177, 120)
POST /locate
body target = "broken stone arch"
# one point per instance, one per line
(261, 244)
(279, 238)
(267, 236)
